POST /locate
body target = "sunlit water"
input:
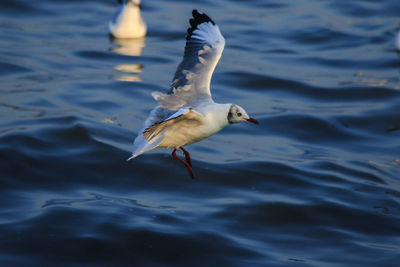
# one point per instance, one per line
(316, 183)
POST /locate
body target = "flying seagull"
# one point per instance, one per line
(188, 114)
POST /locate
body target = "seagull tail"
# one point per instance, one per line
(143, 145)
(131, 157)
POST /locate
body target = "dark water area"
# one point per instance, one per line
(317, 183)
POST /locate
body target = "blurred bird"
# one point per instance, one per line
(127, 21)
(188, 114)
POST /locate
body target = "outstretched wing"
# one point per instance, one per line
(203, 50)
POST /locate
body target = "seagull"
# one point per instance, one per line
(127, 21)
(187, 113)
(397, 44)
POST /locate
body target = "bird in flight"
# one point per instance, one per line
(187, 113)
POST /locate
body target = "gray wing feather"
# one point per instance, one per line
(193, 76)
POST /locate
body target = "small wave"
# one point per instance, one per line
(9, 69)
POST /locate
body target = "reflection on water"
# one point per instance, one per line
(129, 47)
(132, 70)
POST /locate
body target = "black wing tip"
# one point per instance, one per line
(198, 18)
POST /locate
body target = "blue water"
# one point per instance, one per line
(317, 183)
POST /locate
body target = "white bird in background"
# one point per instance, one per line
(398, 41)
(127, 21)
(188, 114)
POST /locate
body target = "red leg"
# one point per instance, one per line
(187, 156)
(189, 168)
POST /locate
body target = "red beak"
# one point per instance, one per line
(252, 121)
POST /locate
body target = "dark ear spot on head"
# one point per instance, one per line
(230, 116)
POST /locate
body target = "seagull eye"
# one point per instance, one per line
(239, 114)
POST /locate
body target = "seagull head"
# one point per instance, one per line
(134, 2)
(237, 114)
